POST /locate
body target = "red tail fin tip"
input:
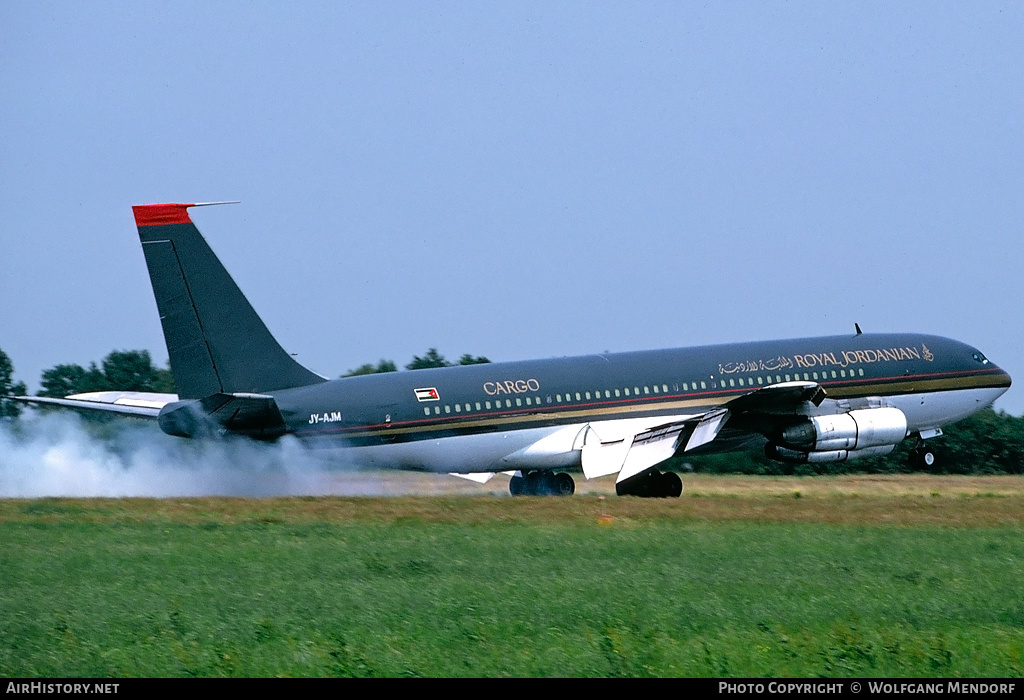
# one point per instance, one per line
(161, 214)
(171, 213)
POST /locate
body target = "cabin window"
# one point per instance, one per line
(685, 387)
(664, 388)
(458, 408)
(703, 385)
(814, 375)
(536, 400)
(617, 393)
(478, 405)
(426, 410)
(437, 410)
(647, 389)
(833, 374)
(860, 372)
(587, 394)
(447, 409)
(548, 397)
(519, 402)
(528, 402)
(578, 397)
(488, 405)
(741, 381)
(760, 381)
(655, 387)
(626, 391)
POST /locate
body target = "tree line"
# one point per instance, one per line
(133, 370)
(431, 358)
(989, 442)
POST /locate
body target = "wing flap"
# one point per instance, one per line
(478, 477)
(707, 429)
(632, 444)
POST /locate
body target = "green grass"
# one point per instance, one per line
(94, 589)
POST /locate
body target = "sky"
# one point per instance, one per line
(518, 180)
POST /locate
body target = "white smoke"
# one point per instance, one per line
(56, 454)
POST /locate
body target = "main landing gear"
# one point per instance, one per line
(542, 483)
(651, 484)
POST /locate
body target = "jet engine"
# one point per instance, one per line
(835, 438)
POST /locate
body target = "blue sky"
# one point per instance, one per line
(518, 180)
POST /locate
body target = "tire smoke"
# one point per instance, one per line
(55, 453)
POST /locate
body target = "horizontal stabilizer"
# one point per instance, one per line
(142, 404)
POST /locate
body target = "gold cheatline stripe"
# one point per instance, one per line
(879, 389)
(919, 386)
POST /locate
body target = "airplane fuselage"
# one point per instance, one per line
(393, 418)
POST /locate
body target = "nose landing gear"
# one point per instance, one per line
(922, 458)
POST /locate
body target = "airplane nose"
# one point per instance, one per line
(1005, 378)
(1000, 380)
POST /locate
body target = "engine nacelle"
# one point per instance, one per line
(847, 432)
(187, 419)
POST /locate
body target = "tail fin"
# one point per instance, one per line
(216, 342)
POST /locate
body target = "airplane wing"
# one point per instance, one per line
(631, 446)
(142, 404)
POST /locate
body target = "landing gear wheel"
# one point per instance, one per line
(542, 483)
(517, 486)
(564, 485)
(535, 483)
(672, 485)
(922, 458)
(651, 484)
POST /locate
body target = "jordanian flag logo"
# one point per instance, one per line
(429, 394)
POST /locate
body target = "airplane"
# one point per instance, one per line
(811, 400)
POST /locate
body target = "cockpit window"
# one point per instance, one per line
(980, 358)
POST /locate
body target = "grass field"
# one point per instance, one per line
(742, 576)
